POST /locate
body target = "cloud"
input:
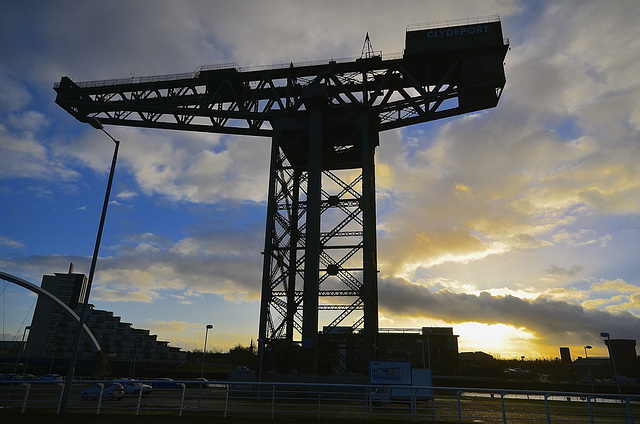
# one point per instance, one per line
(149, 272)
(148, 267)
(556, 321)
(14, 95)
(110, 295)
(516, 177)
(7, 241)
(531, 202)
(616, 286)
(615, 297)
(189, 335)
(24, 156)
(127, 195)
(225, 261)
(181, 167)
(563, 273)
(176, 332)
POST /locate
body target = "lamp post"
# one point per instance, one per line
(15, 369)
(524, 372)
(586, 356)
(204, 351)
(133, 361)
(85, 304)
(613, 361)
(26, 361)
(19, 352)
(52, 356)
(204, 354)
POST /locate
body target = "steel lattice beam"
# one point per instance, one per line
(232, 101)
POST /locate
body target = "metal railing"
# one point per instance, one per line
(310, 401)
(454, 22)
(230, 66)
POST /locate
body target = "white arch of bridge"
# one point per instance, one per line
(48, 296)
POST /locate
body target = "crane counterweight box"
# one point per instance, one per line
(431, 39)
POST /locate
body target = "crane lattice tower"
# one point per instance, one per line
(324, 120)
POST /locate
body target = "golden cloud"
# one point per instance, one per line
(615, 285)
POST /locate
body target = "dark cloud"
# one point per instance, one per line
(555, 322)
(571, 272)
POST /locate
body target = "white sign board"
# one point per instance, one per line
(389, 372)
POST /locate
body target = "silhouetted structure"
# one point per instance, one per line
(623, 351)
(48, 318)
(565, 355)
(52, 331)
(324, 119)
(429, 347)
(478, 364)
(341, 351)
(595, 367)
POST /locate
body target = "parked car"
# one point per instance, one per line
(204, 383)
(12, 377)
(165, 383)
(50, 377)
(135, 387)
(109, 392)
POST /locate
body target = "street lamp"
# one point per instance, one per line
(28, 348)
(19, 352)
(524, 372)
(204, 351)
(204, 354)
(15, 369)
(52, 356)
(586, 356)
(613, 361)
(85, 304)
(133, 361)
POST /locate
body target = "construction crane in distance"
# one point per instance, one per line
(319, 279)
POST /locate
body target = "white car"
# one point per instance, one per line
(110, 391)
(134, 388)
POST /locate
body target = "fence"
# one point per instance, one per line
(284, 401)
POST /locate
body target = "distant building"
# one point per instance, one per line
(53, 331)
(593, 367)
(623, 352)
(11, 347)
(477, 364)
(429, 347)
(49, 318)
(565, 355)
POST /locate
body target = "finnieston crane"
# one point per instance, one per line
(324, 120)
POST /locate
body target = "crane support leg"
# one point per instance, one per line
(369, 256)
(313, 247)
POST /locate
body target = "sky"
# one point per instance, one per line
(518, 226)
